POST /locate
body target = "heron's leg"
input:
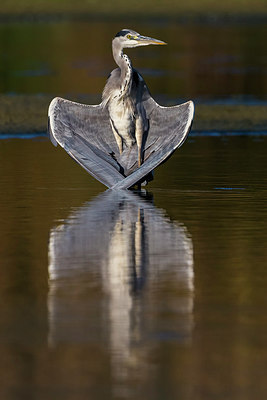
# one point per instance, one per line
(117, 136)
(139, 138)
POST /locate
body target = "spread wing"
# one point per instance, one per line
(168, 129)
(85, 133)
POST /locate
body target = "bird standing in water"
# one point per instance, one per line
(124, 138)
(123, 93)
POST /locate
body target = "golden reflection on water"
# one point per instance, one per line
(180, 336)
(122, 272)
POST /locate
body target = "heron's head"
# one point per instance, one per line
(130, 38)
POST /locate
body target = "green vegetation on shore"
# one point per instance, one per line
(187, 8)
(28, 114)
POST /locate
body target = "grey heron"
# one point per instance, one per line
(121, 140)
(123, 93)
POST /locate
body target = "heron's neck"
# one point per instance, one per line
(125, 65)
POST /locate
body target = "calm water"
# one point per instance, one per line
(202, 61)
(116, 295)
(124, 296)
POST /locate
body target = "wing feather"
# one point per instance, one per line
(85, 133)
(168, 129)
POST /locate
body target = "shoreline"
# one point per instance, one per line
(27, 114)
(189, 11)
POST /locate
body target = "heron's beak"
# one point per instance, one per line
(146, 40)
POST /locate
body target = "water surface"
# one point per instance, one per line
(208, 61)
(122, 296)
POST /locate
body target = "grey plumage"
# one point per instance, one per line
(123, 93)
(111, 140)
(123, 244)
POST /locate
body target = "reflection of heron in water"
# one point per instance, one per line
(126, 283)
(121, 140)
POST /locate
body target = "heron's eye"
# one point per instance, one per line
(128, 36)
